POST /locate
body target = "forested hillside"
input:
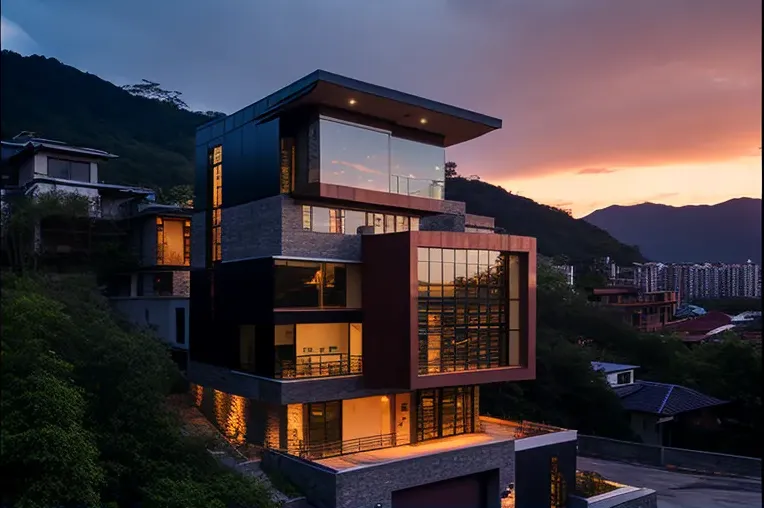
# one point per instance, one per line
(155, 143)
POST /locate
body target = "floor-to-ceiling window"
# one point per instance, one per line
(324, 436)
(318, 350)
(469, 310)
(444, 412)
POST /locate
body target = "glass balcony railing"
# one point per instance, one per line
(424, 188)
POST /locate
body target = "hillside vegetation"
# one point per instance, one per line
(155, 142)
(84, 416)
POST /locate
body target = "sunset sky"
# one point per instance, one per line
(603, 101)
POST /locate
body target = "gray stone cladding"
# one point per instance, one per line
(198, 239)
(479, 221)
(252, 230)
(370, 486)
(454, 207)
(181, 283)
(276, 391)
(442, 222)
(308, 244)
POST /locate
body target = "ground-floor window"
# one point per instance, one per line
(444, 412)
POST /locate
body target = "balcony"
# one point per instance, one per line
(320, 365)
(377, 450)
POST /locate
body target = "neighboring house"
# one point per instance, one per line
(647, 312)
(155, 293)
(344, 318)
(659, 412)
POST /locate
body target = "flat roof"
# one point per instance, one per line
(321, 88)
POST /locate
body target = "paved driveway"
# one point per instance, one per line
(680, 490)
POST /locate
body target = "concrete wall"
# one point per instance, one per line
(319, 483)
(692, 460)
(627, 497)
(157, 313)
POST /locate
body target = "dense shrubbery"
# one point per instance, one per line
(84, 416)
(572, 332)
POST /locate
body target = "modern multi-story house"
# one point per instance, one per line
(342, 315)
(153, 290)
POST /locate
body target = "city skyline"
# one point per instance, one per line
(594, 112)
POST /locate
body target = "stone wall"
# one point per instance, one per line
(300, 243)
(679, 458)
(252, 230)
(442, 222)
(317, 482)
(364, 487)
(277, 391)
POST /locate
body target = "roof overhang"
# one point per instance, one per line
(32, 147)
(324, 89)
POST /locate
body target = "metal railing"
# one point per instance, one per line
(423, 187)
(320, 365)
(335, 448)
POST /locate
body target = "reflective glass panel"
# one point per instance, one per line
(354, 156)
(417, 169)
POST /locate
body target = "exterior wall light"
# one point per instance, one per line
(352, 102)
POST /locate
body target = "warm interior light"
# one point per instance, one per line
(423, 121)
(352, 102)
(385, 399)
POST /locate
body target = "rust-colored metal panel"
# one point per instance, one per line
(387, 310)
(390, 309)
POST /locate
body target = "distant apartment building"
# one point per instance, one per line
(695, 281)
(153, 290)
(645, 311)
(567, 271)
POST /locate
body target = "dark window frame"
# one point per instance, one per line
(69, 163)
(321, 284)
(467, 316)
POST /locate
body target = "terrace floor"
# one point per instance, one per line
(494, 431)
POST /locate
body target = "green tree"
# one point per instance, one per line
(178, 195)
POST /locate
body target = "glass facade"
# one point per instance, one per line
(372, 159)
(417, 169)
(337, 220)
(315, 284)
(469, 309)
(444, 412)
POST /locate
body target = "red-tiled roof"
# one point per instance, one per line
(702, 324)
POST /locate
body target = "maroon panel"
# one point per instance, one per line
(387, 304)
(370, 197)
(463, 492)
(390, 309)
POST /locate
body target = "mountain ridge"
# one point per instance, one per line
(155, 142)
(726, 232)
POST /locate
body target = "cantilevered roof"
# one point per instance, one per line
(663, 399)
(612, 368)
(322, 88)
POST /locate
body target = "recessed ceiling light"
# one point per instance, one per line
(423, 121)
(352, 102)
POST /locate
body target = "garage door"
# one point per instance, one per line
(462, 492)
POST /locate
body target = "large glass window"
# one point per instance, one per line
(313, 284)
(446, 412)
(216, 202)
(354, 156)
(417, 169)
(173, 241)
(367, 158)
(318, 350)
(468, 310)
(68, 170)
(336, 220)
